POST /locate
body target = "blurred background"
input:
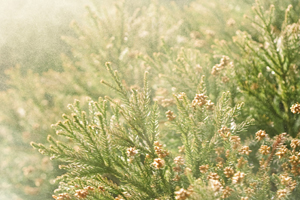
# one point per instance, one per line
(31, 30)
(30, 37)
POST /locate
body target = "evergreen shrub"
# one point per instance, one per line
(189, 113)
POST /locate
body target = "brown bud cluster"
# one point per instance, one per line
(294, 160)
(245, 150)
(170, 115)
(264, 149)
(183, 194)
(249, 191)
(224, 132)
(187, 171)
(295, 143)
(220, 164)
(236, 140)
(285, 167)
(229, 172)
(181, 149)
(178, 161)
(238, 177)
(295, 108)
(295, 170)
(213, 176)
(227, 154)
(262, 163)
(158, 163)
(241, 162)
(199, 100)
(219, 159)
(159, 150)
(281, 152)
(260, 135)
(89, 188)
(131, 151)
(282, 193)
(181, 95)
(209, 105)
(226, 192)
(219, 150)
(286, 180)
(81, 194)
(101, 188)
(176, 178)
(225, 79)
(203, 168)
(219, 67)
(63, 196)
(119, 197)
(216, 185)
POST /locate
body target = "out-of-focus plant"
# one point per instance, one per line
(30, 38)
(266, 68)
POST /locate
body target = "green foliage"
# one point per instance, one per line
(113, 153)
(266, 69)
(200, 94)
(122, 146)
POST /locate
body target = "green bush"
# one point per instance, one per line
(223, 102)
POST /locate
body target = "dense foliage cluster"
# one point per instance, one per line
(201, 104)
